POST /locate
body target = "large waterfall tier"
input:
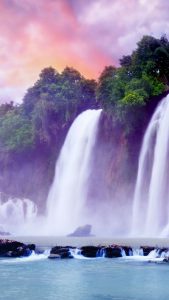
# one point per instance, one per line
(151, 199)
(66, 203)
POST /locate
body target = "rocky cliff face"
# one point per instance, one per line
(111, 178)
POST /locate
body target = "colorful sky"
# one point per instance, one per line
(84, 34)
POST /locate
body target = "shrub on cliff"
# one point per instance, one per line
(127, 89)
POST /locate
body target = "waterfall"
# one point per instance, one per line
(66, 203)
(151, 199)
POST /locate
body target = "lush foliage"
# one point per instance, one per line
(124, 92)
(54, 100)
(15, 131)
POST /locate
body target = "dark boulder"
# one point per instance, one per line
(11, 248)
(59, 249)
(113, 251)
(82, 231)
(109, 252)
(89, 251)
(63, 252)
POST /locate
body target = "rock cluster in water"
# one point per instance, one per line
(9, 248)
(112, 251)
(96, 251)
(60, 252)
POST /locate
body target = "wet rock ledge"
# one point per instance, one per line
(10, 248)
(111, 251)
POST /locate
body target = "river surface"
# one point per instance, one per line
(38, 278)
(128, 278)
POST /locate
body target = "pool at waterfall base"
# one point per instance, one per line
(134, 277)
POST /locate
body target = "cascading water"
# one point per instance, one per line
(17, 215)
(151, 199)
(67, 197)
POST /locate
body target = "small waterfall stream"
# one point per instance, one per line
(17, 215)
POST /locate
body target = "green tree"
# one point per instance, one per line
(15, 132)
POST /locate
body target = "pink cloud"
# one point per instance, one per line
(84, 34)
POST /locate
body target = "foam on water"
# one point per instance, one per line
(153, 256)
(137, 252)
(33, 257)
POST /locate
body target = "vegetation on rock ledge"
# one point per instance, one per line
(126, 91)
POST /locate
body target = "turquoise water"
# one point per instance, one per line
(78, 279)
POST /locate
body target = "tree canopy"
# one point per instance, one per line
(126, 90)
(54, 100)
